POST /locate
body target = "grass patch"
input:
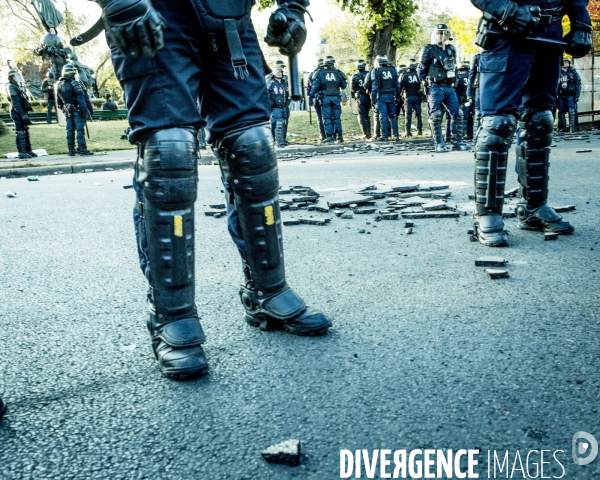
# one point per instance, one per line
(53, 138)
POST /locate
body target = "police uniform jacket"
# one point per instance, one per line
(18, 99)
(569, 83)
(385, 81)
(358, 84)
(328, 82)
(410, 85)
(278, 93)
(71, 94)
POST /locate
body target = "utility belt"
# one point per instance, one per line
(489, 31)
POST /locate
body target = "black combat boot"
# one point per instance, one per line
(167, 176)
(458, 132)
(249, 168)
(435, 121)
(533, 162)
(2, 409)
(491, 158)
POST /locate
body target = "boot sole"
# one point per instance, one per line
(184, 374)
(543, 229)
(3, 409)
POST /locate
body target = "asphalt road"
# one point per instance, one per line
(425, 351)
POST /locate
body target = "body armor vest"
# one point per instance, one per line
(411, 83)
(330, 81)
(387, 80)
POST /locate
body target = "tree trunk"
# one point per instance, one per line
(381, 43)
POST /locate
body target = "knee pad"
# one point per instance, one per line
(496, 132)
(436, 117)
(537, 128)
(248, 162)
(168, 168)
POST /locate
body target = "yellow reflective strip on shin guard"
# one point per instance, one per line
(269, 216)
(178, 226)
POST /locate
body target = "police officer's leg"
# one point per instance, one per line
(278, 115)
(384, 119)
(328, 119)
(456, 118)
(362, 116)
(337, 118)
(28, 149)
(560, 107)
(367, 102)
(80, 126)
(394, 122)
(408, 119)
(491, 158)
(243, 144)
(572, 115)
(166, 185)
(417, 109)
(376, 121)
(319, 112)
(286, 118)
(20, 135)
(533, 162)
(435, 99)
(476, 115)
(70, 127)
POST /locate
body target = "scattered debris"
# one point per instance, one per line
(490, 262)
(127, 186)
(284, 453)
(550, 236)
(431, 215)
(408, 230)
(566, 208)
(33, 178)
(218, 206)
(585, 150)
(11, 194)
(496, 274)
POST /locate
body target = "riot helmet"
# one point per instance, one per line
(361, 64)
(381, 60)
(401, 67)
(319, 62)
(412, 63)
(279, 64)
(50, 74)
(329, 61)
(566, 60)
(278, 71)
(69, 71)
(441, 34)
(464, 65)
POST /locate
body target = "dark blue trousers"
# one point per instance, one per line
(332, 115)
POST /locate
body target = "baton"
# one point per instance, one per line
(539, 41)
(296, 94)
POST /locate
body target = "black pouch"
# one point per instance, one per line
(483, 38)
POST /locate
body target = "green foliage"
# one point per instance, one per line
(344, 41)
(3, 128)
(463, 31)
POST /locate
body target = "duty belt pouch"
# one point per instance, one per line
(482, 38)
(449, 67)
(227, 18)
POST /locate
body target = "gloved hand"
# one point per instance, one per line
(133, 26)
(520, 20)
(579, 40)
(26, 119)
(287, 30)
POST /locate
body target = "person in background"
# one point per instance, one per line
(109, 104)
(19, 106)
(48, 91)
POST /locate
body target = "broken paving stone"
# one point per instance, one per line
(313, 221)
(441, 195)
(496, 274)
(513, 192)
(284, 453)
(438, 187)
(408, 224)
(338, 213)
(433, 214)
(291, 222)
(215, 213)
(218, 206)
(408, 230)
(414, 194)
(404, 210)
(435, 205)
(586, 150)
(490, 262)
(566, 208)
(405, 188)
(283, 206)
(285, 192)
(322, 207)
(389, 216)
(364, 210)
(550, 236)
(311, 207)
(347, 215)
(343, 199)
(293, 207)
(305, 199)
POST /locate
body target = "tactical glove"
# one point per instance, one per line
(519, 20)
(579, 40)
(133, 26)
(287, 30)
(26, 119)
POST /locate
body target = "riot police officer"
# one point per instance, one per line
(460, 87)
(369, 89)
(327, 86)
(518, 80)
(19, 106)
(314, 101)
(473, 91)
(72, 100)
(400, 107)
(437, 67)
(48, 91)
(384, 92)
(279, 97)
(359, 93)
(228, 79)
(286, 111)
(569, 89)
(410, 87)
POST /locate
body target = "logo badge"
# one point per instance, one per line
(584, 444)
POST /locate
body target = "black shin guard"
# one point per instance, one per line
(28, 149)
(249, 168)
(167, 175)
(457, 129)
(435, 122)
(21, 145)
(491, 158)
(533, 163)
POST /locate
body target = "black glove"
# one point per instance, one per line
(287, 30)
(520, 20)
(133, 26)
(579, 40)
(26, 119)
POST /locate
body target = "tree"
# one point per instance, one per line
(342, 38)
(463, 31)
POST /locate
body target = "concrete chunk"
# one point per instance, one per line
(313, 221)
(550, 236)
(365, 210)
(342, 199)
(566, 208)
(218, 206)
(291, 222)
(347, 215)
(435, 205)
(284, 453)
(431, 215)
(305, 199)
(389, 216)
(496, 274)
(490, 262)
